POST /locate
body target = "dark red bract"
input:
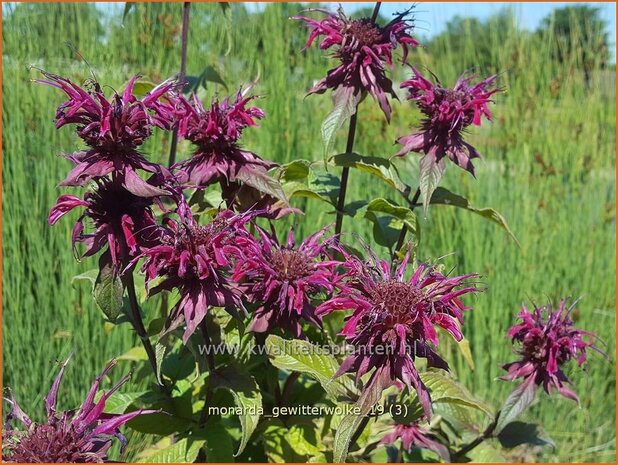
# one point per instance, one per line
(394, 318)
(363, 48)
(448, 112)
(413, 435)
(547, 340)
(81, 435)
(282, 280)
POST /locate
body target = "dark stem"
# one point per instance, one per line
(138, 323)
(360, 429)
(376, 10)
(404, 229)
(183, 71)
(484, 435)
(345, 174)
(210, 361)
(287, 388)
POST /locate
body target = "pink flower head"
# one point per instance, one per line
(197, 260)
(394, 318)
(121, 220)
(547, 341)
(80, 435)
(448, 112)
(282, 280)
(216, 133)
(363, 48)
(113, 129)
(414, 435)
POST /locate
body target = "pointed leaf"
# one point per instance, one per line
(108, 290)
(345, 106)
(429, 178)
(260, 180)
(518, 401)
(379, 167)
(182, 451)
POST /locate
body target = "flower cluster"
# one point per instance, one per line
(414, 435)
(547, 340)
(448, 112)
(363, 48)
(282, 280)
(81, 435)
(394, 319)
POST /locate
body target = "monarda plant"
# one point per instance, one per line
(260, 343)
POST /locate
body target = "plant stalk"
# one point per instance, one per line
(484, 435)
(183, 71)
(210, 360)
(404, 229)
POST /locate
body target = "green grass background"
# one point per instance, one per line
(548, 167)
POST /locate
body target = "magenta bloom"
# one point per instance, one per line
(121, 220)
(216, 133)
(448, 112)
(113, 129)
(547, 341)
(394, 318)
(363, 48)
(414, 435)
(282, 280)
(197, 260)
(81, 435)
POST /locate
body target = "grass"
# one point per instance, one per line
(548, 168)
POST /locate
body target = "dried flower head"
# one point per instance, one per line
(196, 259)
(547, 340)
(282, 280)
(394, 320)
(80, 435)
(113, 129)
(448, 112)
(363, 48)
(414, 435)
(120, 219)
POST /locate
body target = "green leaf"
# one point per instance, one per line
(296, 444)
(120, 401)
(177, 366)
(304, 357)
(141, 88)
(159, 355)
(517, 433)
(445, 389)
(351, 423)
(429, 178)
(445, 197)
(210, 74)
(464, 348)
(247, 397)
(297, 170)
(260, 180)
(182, 451)
(518, 401)
(388, 219)
(89, 276)
(379, 167)
(345, 106)
(219, 446)
(108, 290)
(486, 452)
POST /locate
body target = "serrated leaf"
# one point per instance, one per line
(345, 103)
(445, 197)
(108, 289)
(219, 446)
(183, 451)
(259, 179)
(444, 389)
(379, 167)
(304, 357)
(246, 395)
(518, 401)
(430, 175)
(120, 401)
(159, 355)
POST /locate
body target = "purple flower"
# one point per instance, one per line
(448, 112)
(283, 280)
(196, 260)
(394, 318)
(414, 435)
(547, 341)
(216, 133)
(113, 129)
(120, 219)
(80, 435)
(363, 48)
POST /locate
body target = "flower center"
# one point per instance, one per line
(291, 265)
(399, 299)
(363, 31)
(199, 235)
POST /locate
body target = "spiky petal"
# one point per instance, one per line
(414, 435)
